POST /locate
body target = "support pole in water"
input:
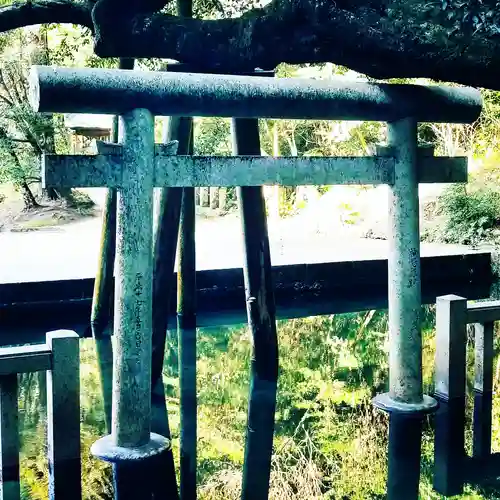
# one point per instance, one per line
(165, 249)
(186, 322)
(131, 447)
(262, 323)
(186, 327)
(405, 402)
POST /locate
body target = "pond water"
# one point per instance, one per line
(329, 441)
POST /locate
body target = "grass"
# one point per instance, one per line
(41, 223)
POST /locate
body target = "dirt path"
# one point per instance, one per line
(71, 251)
(13, 217)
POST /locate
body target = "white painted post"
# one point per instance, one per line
(222, 198)
(214, 197)
(204, 196)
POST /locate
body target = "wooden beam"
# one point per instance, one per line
(483, 312)
(24, 359)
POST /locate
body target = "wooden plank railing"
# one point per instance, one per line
(452, 468)
(60, 358)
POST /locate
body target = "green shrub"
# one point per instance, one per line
(469, 216)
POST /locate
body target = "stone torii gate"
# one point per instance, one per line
(137, 166)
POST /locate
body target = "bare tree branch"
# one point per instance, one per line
(7, 97)
(6, 100)
(11, 78)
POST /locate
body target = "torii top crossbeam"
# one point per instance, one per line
(69, 90)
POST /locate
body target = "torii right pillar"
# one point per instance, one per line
(405, 402)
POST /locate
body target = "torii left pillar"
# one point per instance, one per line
(131, 446)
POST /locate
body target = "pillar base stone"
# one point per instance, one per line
(386, 403)
(405, 437)
(106, 450)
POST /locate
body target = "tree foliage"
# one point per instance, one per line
(24, 134)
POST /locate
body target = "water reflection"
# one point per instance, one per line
(329, 442)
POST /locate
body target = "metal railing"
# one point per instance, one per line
(60, 358)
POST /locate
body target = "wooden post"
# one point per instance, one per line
(222, 198)
(186, 326)
(63, 416)
(165, 248)
(204, 197)
(483, 390)
(214, 197)
(102, 313)
(9, 438)
(262, 322)
(450, 376)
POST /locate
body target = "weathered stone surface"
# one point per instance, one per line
(405, 337)
(133, 285)
(386, 403)
(107, 450)
(65, 90)
(188, 171)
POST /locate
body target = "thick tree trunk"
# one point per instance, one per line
(53, 194)
(50, 194)
(67, 195)
(382, 38)
(28, 197)
(451, 41)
